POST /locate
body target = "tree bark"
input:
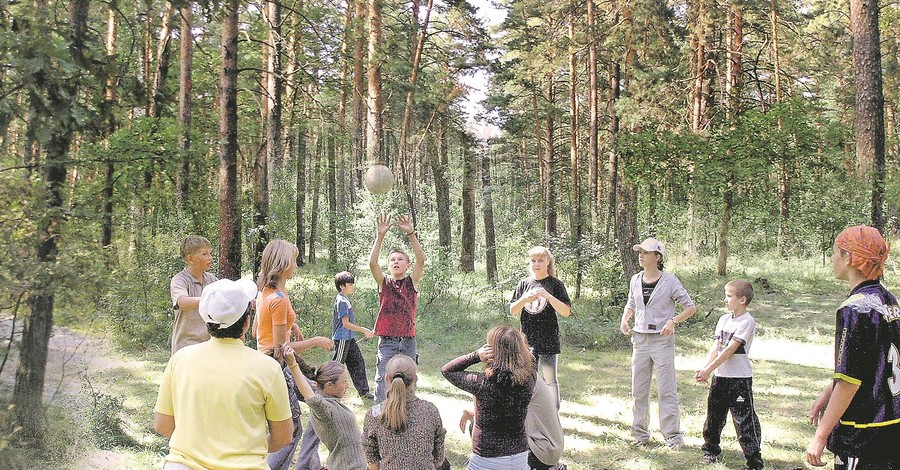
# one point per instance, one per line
(229, 205)
(300, 204)
(157, 90)
(487, 207)
(724, 229)
(547, 163)
(575, 219)
(332, 200)
(614, 91)
(185, 83)
(345, 185)
(274, 89)
(358, 146)
(784, 180)
(626, 227)
(52, 100)
(470, 167)
(108, 113)
(315, 165)
(418, 46)
(439, 167)
(869, 119)
(595, 179)
(374, 123)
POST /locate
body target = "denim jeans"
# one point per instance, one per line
(507, 462)
(388, 347)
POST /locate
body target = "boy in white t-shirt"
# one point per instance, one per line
(732, 383)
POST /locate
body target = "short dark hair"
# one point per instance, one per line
(343, 278)
(742, 288)
(234, 331)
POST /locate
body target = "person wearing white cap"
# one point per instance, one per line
(652, 296)
(218, 398)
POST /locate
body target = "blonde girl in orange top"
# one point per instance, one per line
(275, 316)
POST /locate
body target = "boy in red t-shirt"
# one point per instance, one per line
(395, 325)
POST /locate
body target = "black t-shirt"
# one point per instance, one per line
(647, 289)
(867, 338)
(539, 322)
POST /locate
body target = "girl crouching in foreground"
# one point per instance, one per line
(502, 393)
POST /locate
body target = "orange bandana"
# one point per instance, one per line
(867, 248)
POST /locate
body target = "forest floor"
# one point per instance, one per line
(104, 397)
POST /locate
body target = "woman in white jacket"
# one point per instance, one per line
(652, 296)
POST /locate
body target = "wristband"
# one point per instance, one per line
(410, 233)
(673, 321)
(294, 365)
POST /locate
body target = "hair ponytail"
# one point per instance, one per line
(401, 370)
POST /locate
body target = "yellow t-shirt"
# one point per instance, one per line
(221, 393)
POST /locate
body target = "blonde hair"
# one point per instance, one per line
(544, 252)
(192, 244)
(401, 379)
(511, 355)
(276, 259)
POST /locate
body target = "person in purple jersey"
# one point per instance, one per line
(858, 414)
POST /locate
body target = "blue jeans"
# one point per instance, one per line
(508, 462)
(388, 347)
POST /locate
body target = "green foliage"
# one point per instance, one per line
(136, 304)
(106, 424)
(63, 442)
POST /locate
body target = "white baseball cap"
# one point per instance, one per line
(225, 301)
(650, 244)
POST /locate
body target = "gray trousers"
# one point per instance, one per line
(655, 352)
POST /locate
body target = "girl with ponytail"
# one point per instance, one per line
(404, 431)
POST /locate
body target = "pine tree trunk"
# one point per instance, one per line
(157, 90)
(724, 229)
(470, 167)
(614, 91)
(547, 162)
(109, 102)
(358, 145)
(487, 207)
(626, 227)
(332, 200)
(261, 171)
(316, 169)
(229, 205)
(439, 167)
(869, 120)
(374, 124)
(184, 103)
(300, 204)
(595, 179)
(345, 186)
(575, 220)
(56, 120)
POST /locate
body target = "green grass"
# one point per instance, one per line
(792, 356)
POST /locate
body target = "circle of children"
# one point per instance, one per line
(226, 406)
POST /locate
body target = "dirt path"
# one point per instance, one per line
(72, 359)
